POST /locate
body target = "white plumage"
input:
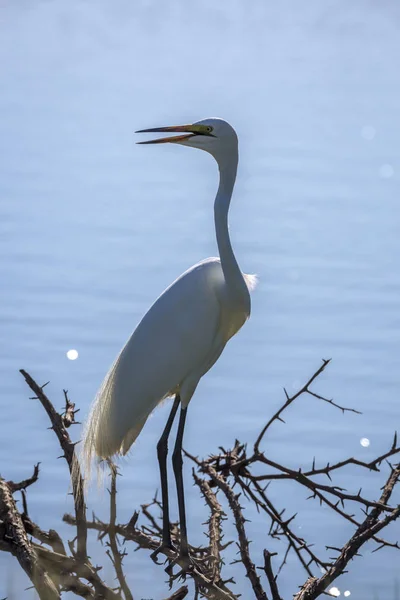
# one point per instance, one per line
(174, 345)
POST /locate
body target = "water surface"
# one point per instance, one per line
(93, 228)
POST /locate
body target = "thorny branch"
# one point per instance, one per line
(58, 426)
(116, 556)
(229, 482)
(270, 575)
(14, 539)
(214, 526)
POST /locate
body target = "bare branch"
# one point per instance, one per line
(270, 575)
(22, 485)
(366, 530)
(130, 532)
(214, 526)
(179, 594)
(330, 401)
(13, 538)
(69, 455)
(219, 477)
(116, 555)
(315, 487)
(59, 563)
(243, 542)
(289, 401)
(68, 417)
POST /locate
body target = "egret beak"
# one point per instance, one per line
(190, 131)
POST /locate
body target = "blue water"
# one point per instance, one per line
(93, 228)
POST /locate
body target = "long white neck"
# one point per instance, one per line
(232, 273)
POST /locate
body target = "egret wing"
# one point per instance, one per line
(175, 342)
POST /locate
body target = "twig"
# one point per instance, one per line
(294, 541)
(214, 526)
(243, 543)
(67, 446)
(68, 417)
(70, 583)
(330, 401)
(51, 537)
(116, 555)
(22, 485)
(14, 539)
(149, 516)
(289, 399)
(314, 486)
(270, 575)
(59, 563)
(179, 594)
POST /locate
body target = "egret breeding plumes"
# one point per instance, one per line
(179, 338)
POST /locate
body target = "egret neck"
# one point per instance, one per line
(233, 276)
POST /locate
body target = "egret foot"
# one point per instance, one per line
(186, 562)
(164, 548)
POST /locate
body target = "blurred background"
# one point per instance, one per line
(93, 228)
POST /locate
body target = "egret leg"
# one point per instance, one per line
(162, 452)
(177, 463)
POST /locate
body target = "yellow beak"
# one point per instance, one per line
(190, 131)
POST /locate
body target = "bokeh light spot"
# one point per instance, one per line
(386, 171)
(368, 132)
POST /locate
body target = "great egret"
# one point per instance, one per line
(179, 338)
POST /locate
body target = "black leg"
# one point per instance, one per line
(162, 452)
(177, 464)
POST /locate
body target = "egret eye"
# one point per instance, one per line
(209, 128)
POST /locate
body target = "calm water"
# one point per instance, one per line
(93, 228)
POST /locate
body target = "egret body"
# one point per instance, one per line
(180, 337)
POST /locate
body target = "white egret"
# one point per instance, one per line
(179, 338)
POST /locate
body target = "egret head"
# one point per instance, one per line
(213, 135)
